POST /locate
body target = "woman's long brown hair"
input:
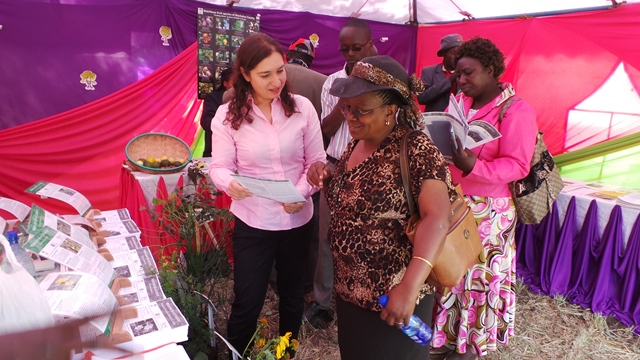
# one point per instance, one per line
(253, 50)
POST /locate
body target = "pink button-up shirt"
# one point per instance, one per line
(505, 159)
(282, 150)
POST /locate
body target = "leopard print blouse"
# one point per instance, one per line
(369, 212)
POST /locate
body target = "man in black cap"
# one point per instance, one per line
(440, 79)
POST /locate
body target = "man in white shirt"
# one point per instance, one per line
(356, 43)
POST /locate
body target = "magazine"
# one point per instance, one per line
(472, 134)
(442, 128)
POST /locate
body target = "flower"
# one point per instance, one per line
(282, 345)
(278, 348)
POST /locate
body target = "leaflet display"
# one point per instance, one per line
(62, 193)
(60, 248)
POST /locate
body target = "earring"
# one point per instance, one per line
(387, 122)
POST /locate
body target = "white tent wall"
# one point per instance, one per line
(429, 11)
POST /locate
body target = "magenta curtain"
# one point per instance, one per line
(84, 148)
(554, 62)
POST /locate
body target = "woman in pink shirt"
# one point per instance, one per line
(265, 132)
(476, 315)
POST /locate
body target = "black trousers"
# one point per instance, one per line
(254, 252)
(363, 335)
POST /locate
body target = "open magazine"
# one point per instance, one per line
(441, 127)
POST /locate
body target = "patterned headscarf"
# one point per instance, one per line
(377, 72)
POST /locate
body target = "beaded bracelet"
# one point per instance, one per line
(425, 260)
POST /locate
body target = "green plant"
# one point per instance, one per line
(197, 231)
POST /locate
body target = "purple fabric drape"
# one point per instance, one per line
(47, 45)
(560, 269)
(590, 270)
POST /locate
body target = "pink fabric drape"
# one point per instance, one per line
(554, 62)
(84, 148)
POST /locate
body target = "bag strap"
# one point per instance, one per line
(505, 106)
(404, 170)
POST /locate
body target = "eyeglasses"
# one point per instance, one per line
(354, 48)
(356, 113)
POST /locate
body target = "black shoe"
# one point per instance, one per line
(317, 317)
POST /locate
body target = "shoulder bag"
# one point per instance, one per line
(534, 194)
(462, 245)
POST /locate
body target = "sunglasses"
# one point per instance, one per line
(354, 48)
(356, 113)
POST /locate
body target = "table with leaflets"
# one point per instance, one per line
(587, 250)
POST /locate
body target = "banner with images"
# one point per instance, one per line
(220, 34)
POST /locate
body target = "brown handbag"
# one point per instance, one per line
(462, 245)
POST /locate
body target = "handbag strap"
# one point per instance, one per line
(404, 170)
(459, 207)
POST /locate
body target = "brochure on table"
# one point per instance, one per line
(62, 193)
(134, 263)
(76, 295)
(157, 323)
(146, 289)
(16, 208)
(110, 216)
(60, 248)
(120, 228)
(42, 218)
(120, 244)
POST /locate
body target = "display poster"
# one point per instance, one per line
(220, 34)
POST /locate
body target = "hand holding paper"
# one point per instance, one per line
(279, 190)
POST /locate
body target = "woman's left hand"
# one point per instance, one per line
(293, 207)
(400, 307)
(463, 159)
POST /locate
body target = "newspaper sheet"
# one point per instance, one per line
(157, 323)
(121, 244)
(41, 217)
(108, 216)
(16, 208)
(58, 247)
(120, 228)
(278, 190)
(146, 289)
(62, 193)
(79, 295)
(134, 263)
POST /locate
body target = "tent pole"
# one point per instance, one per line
(414, 13)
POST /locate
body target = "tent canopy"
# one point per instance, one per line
(399, 11)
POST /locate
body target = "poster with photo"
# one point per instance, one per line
(220, 34)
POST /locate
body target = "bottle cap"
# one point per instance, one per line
(382, 300)
(12, 236)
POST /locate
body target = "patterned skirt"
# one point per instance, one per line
(480, 310)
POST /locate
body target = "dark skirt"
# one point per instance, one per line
(363, 335)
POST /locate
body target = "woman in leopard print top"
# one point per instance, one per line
(372, 255)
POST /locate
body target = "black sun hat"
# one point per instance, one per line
(374, 73)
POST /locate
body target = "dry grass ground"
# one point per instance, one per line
(546, 328)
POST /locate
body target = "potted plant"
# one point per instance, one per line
(196, 273)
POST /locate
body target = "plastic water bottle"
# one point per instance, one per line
(21, 254)
(417, 330)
